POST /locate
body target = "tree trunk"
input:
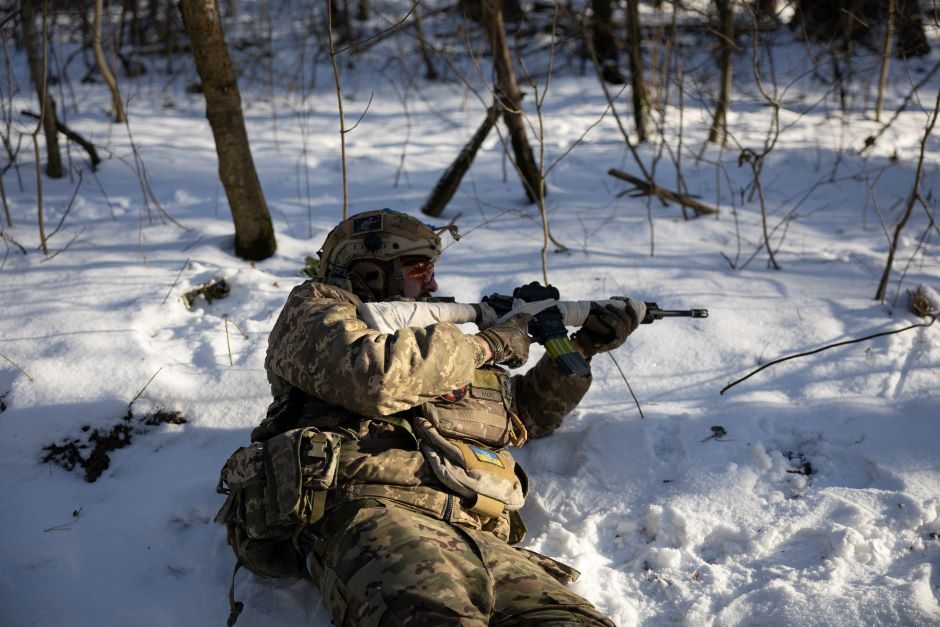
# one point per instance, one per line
(602, 38)
(449, 182)
(430, 73)
(116, 104)
(717, 133)
(766, 8)
(254, 233)
(509, 99)
(912, 39)
(885, 58)
(635, 55)
(37, 70)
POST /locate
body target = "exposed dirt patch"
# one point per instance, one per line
(90, 452)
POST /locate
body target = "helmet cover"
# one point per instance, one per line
(381, 235)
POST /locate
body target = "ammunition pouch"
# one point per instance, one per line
(488, 479)
(275, 489)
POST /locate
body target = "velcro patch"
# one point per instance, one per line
(366, 224)
(486, 456)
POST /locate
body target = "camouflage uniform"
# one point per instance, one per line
(396, 546)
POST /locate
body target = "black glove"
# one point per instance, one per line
(607, 328)
(509, 341)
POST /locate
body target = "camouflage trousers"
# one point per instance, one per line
(389, 566)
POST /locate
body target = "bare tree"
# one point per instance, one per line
(718, 131)
(37, 70)
(912, 201)
(635, 55)
(116, 103)
(885, 58)
(509, 99)
(605, 46)
(254, 233)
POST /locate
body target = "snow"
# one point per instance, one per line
(667, 524)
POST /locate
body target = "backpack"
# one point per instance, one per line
(274, 490)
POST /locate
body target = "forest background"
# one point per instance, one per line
(169, 171)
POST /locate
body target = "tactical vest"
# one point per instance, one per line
(478, 412)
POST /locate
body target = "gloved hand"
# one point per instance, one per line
(607, 328)
(509, 341)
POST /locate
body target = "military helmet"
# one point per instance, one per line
(382, 235)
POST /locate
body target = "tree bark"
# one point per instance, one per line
(602, 36)
(509, 99)
(449, 182)
(637, 83)
(37, 70)
(254, 233)
(717, 133)
(116, 104)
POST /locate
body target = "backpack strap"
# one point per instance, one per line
(236, 606)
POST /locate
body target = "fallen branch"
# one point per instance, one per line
(933, 318)
(649, 189)
(75, 137)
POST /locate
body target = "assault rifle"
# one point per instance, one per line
(550, 316)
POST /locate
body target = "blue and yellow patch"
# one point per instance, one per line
(486, 456)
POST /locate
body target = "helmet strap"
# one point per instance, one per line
(397, 275)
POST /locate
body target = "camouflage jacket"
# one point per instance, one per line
(327, 369)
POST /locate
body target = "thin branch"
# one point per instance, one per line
(388, 31)
(912, 200)
(175, 281)
(68, 207)
(933, 319)
(26, 374)
(228, 343)
(339, 102)
(639, 409)
(64, 248)
(146, 385)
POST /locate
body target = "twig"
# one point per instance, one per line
(872, 139)
(933, 319)
(67, 208)
(6, 237)
(228, 343)
(26, 374)
(240, 330)
(912, 200)
(382, 34)
(145, 386)
(175, 281)
(614, 359)
(65, 526)
(64, 248)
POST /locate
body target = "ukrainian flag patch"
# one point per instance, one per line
(486, 456)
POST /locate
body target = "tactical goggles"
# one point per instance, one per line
(419, 269)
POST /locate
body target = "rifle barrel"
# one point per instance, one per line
(681, 313)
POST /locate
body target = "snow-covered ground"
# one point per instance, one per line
(820, 504)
